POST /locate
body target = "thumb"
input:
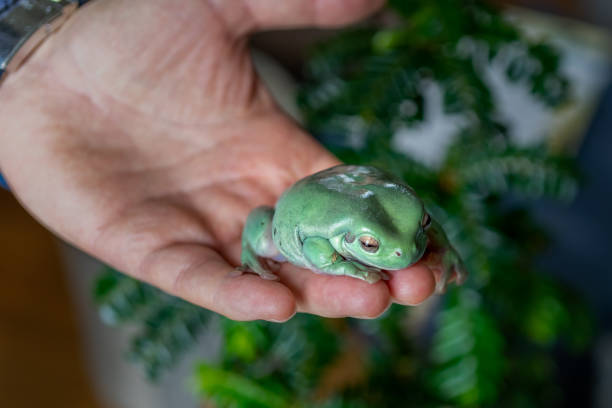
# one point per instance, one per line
(274, 14)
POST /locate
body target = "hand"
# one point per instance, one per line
(140, 133)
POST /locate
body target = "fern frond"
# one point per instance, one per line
(121, 299)
(167, 327)
(526, 172)
(467, 352)
(230, 389)
(166, 336)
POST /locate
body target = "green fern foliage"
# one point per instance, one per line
(122, 300)
(166, 327)
(229, 389)
(488, 343)
(467, 352)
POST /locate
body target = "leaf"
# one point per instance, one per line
(166, 336)
(121, 299)
(168, 326)
(528, 172)
(467, 352)
(228, 388)
(492, 339)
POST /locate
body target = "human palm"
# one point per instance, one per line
(140, 133)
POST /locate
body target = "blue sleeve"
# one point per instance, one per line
(3, 183)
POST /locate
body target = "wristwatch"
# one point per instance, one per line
(24, 24)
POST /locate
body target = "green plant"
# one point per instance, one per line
(490, 342)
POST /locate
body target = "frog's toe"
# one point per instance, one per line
(452, 268)
(455, 271)
(238, 271)
(372, 275)
(254, 264)
(268, 276)
(273, 265)
(441, 286)
(264, 274)
(259, 270)
(460, 273)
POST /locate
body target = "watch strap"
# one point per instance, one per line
(25, 24)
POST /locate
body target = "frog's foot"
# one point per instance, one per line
(357, 270)
(324, 259)
(257, 244)
(264, 274)
(353, 269)
(255, 264)
(371, 276)
(451, 266)
(367, 273)
(273, 265)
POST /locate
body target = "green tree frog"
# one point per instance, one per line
(347, 220)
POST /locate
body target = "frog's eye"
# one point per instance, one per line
(368, 243)
(426, 221)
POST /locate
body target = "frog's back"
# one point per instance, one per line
(318, 206)
(303, 210)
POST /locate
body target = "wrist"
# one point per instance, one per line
(25, 24)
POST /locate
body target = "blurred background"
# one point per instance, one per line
(55, 351)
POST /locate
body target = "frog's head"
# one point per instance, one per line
(386, 249)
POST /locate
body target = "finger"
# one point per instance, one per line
(168, 245)
(269, 14)
(412, 285)
(200, 275)
(273, 14)
(327, 295)
(335, 296)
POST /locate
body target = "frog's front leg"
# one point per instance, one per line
(451, 261)
(322, 255)
(257, 243)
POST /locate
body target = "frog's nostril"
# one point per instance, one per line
(398, 253)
